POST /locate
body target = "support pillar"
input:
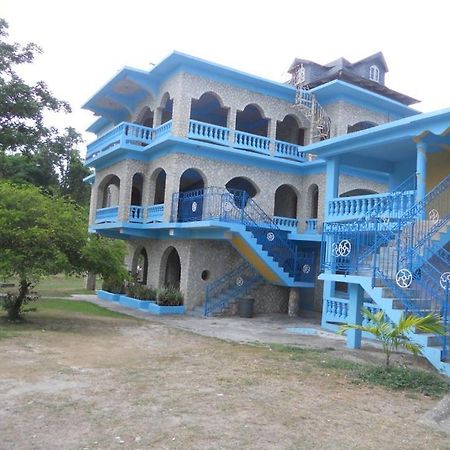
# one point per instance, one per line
(294, 302)
(355, 304)
(421, 170)
(332, 183)
(231, 124)
(272, 135)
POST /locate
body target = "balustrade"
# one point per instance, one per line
(252, 142)
(285, 223)
(107, 215)
(155, 213)
(289, 151)
(208, 132)
(136, 214)
(336, 310)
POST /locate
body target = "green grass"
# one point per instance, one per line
(58, 286)
(407, 379)
(81, 307)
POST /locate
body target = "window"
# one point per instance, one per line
(374, 73)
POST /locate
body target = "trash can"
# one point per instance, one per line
(246, 307)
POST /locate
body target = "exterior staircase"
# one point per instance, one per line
(269, 253)
(402, 263)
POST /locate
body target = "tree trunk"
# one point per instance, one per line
(90, 281)
(15, 306)
(388, 360)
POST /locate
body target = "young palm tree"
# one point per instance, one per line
(393, 336)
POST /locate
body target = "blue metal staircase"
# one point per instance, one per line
(267, 249)
(408, 259)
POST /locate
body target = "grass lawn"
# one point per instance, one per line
(60, 286)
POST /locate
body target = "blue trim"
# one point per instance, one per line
(338, 90)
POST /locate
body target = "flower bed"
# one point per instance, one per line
(105, 295)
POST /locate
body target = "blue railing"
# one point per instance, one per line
(208, 132)
(107, 215)
(348, 246)
(136, 214)
(252, 142)
(235, 206)
(311, 226)
(286, 223)
(336, 310)
(235, 283)
(129, 135)
(155, 213)
(289, 151)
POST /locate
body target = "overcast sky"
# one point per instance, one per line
(86, 42)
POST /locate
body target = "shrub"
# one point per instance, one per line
(170, 296)
(141, 292)
(114, 285)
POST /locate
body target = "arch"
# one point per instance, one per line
(139, 266)
(159, 177)
(190, 200)
(288, 130)
(108, 191)
(209, 108)
(252, 120)
(166, 108)
(358, 192)
(237, 186)
(285, 201)
(145, 117)
(170, 268)
(358, 126)
(136, 189)
(313, 201)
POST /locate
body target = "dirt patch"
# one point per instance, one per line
(106, 383)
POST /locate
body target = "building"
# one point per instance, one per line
(326, 193)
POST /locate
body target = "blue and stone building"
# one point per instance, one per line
(328, 193)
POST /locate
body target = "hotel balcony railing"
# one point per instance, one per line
(246, 141)
(136, 214)
(348, 208)
(127, 135)
(107, 215)
(137, 137)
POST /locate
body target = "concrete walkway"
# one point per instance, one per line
(264, 329)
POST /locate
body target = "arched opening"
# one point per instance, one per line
(160, 187)
(289, 131)
(364, 125)
(358, 192)
(145, 117)
(208, 109)
(190, 203)
(166, 109)
(313, 195)
(285, 202)
(251, 120)
(136, 189)
(172, 271)
(140, 266)
(109, 191)
(242, 189)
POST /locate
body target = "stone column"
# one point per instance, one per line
(93, 206)
(231, 123)
(332, 183)
(181, 110)
(294, 302)
(355, 304)
(126, 183)
(172, 186)
(272, 135)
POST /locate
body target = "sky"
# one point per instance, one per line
(86, 42)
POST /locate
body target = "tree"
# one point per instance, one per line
(45, 157)
(393, 336)
(44, 235)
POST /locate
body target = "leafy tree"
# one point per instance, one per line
(31, 151)
(392, 336)
(44, 235)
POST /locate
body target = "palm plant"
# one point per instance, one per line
(391, 335)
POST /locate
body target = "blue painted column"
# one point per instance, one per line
(332, 183)
(355, 304)
(421, 170)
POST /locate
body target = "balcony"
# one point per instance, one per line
(136, 214)
(385, 205)
(127, 136)
(130, 136)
